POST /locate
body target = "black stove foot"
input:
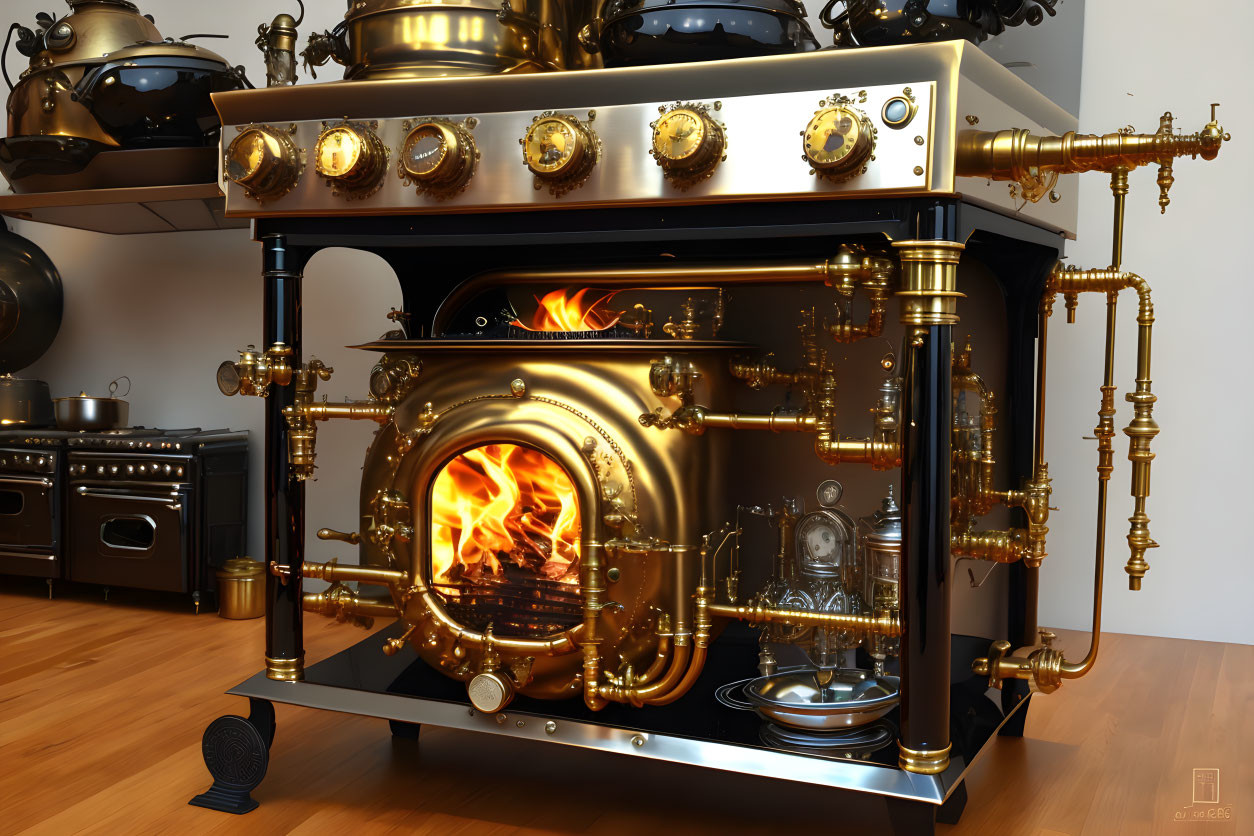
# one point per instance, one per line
(237, 753)
(951, 810)
(49, 582)
(404, 731)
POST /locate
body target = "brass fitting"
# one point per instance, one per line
(345, 605)
(883, 623)
(998, 546)
(302, 434)
(850, 269)
(929, 281)
(256, 371)
(1034, 162)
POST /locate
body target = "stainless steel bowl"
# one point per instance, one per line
(797, 699)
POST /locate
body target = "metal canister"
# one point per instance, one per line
(242, 589)
(881, 555)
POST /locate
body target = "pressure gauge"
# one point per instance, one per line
(438, 157)
(838, 142)
(824, 542)
(687, 143)
(228, 378)
(264, 162)
(560, 151)
(352, 158)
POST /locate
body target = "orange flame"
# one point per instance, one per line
(559, 310)
(503, 504)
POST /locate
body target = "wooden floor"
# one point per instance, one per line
(102, 706)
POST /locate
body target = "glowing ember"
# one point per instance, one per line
(559, 310)
(501, 512)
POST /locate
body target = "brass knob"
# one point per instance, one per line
(687, 143)
(838, 142)
(352, 158)
(560, 151)
(264, 162)
(438, 157)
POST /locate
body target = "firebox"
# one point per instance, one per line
(740, 466)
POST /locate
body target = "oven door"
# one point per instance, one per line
(27, 530)
(134, 536)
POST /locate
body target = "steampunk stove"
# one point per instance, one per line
(135, 507)
(625, 492)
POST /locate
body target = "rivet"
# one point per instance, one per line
(637, 741)
(1054, 197)
(500, 719)
(918, 140)
(517, 387)
(550, 727)
(918, 169)
(521, 723)
(613, 574)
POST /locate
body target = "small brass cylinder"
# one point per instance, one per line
(929, 281)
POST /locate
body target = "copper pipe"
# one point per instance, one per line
(640, 695)
(883, 624)
(659, 661)
(701, 643)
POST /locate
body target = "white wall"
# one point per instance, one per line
(166, 309)
(1141, 58)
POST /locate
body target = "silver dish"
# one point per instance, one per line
(798, 700)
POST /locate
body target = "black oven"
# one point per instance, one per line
(30, 504)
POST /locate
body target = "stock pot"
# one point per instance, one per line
(84, 412)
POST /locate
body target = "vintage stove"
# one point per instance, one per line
(624, 456)
(134, 507)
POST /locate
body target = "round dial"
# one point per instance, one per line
(830, 492)
(351, 156)
(264, 162)
(823, 540)
(838, 142)
(438, 156)
(687, 141)
(228, 378)
(559, 148)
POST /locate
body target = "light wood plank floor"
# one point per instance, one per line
(102, 706)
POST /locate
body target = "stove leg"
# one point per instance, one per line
(237, 753)
(951, 811)
(49, 582)
(106, 593)
(196, 602)
(404, 731)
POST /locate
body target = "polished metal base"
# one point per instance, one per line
(697, 730)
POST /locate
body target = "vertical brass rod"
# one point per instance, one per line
(1119, 187)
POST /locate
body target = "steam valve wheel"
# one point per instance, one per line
(264, 162)
(560, 151)
(439, 157)
(351, 158)
(688, 144)
(838, 142)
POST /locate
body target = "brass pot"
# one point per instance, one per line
(425, 39)
(241, 589)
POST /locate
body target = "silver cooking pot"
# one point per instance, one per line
(84, 412)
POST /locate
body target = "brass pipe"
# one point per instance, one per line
(639, 695)
(353, 411)
(592, 585)
(882, 624)
(701, 644)
(343, 604)
(737, 421)
(1006, 546)
(334, 571)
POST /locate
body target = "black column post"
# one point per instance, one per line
(284, 494)
(929, 296)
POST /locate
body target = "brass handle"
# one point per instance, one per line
(350, 537)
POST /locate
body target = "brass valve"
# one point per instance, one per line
(1034, 162)
(256, 371)
(302, 434)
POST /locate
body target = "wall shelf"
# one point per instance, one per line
(126, 211)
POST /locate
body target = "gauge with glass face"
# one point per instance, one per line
(823, 540)
(438, 156)
(351, 157)
(559, 149)
(838, 142)
(263, 161)
(228, 378)
(687, 143)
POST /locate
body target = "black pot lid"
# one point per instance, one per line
(30, 302)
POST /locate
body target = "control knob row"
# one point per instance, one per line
(439, 156)
(153, 469)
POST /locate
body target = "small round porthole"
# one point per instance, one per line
(60, 37)
(898, 111)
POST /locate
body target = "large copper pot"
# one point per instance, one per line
(435, 38)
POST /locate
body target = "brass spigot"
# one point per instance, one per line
(256, 371)
(1034, 162)
(301, 416)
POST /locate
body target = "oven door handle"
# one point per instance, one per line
(10, 480)
(165, 500)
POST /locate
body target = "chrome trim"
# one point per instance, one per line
(143, 517)
(14, 480)
(98, 494)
